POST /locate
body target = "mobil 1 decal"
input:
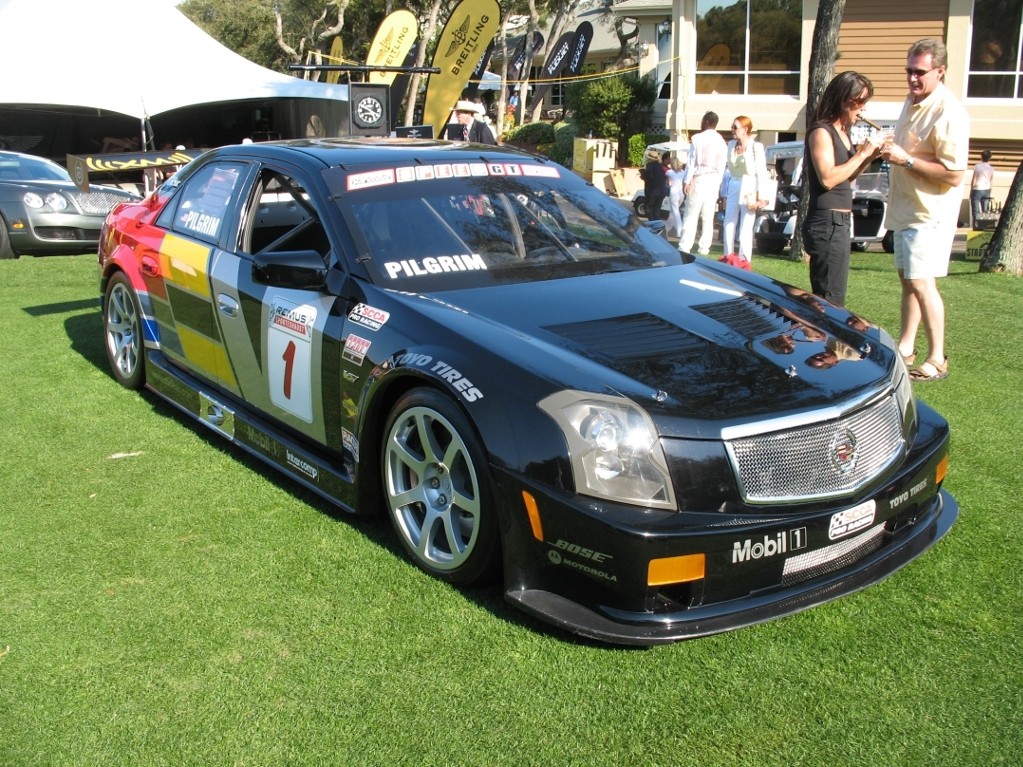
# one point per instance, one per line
(290, 357)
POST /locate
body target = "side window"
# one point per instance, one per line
(281, 218)
(205, 201)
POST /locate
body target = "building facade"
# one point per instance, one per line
(752, 57)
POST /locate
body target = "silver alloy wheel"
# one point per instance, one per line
(433, 491)
(123, 332)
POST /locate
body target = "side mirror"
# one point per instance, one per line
(299, 269)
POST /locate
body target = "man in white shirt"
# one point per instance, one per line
(929, 157)
(707, 156)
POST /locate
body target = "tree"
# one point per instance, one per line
(823, 55)
(320, 32)
(1005, 250)
(612, 107)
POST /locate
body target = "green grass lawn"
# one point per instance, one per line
(166, 601)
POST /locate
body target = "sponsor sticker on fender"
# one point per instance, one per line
(851, 520)
(367, 316)
(355, 349)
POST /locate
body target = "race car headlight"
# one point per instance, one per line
(54, 201)
(613, 447)
(900, 381)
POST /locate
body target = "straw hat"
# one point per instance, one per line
(467, 106)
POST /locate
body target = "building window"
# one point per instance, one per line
(749, 47)
(665, 63)
(995, 65)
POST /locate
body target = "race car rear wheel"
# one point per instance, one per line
(122, 333)
(438, 490)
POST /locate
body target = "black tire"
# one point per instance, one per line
(639, 206)
(438, 490)
(888, 242)
(859, 247)
(771, 243)
(6, 249)
(122, 333)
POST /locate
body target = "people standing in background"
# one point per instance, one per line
(746, 158)
(467, 127)
(929, 156)
(676, 177)
(833, 163)
(708, 155)
(655, 186)
(980, 186)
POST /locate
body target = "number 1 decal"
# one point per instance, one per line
(289, 367)
(290, 357)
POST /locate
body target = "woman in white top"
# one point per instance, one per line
(676, 195)
(980, 187)
(746, 157)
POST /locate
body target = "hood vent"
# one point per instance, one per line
(635, 337)
(747, 316)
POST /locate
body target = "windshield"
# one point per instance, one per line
(438, 233)
(23, 168)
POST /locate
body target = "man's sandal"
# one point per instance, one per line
(908, 359)
(928, 371)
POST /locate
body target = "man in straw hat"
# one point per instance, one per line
(467, 127)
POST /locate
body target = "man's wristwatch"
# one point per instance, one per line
(909, 163)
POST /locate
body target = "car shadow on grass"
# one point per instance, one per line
(84, 330)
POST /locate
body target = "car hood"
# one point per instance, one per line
(701, 341)
(69, 188)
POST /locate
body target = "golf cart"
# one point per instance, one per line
(774, 229)
(679, 149)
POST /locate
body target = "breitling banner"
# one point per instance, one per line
(468, 32)
(557, 60)
(391, 45)
(564, 61)
(580, 45)
(337, 48)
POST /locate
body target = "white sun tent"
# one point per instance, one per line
(139, 58)
(134, 57)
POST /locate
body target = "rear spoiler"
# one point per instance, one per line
(79, 166)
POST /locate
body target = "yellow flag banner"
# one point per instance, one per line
(468, 32)
(391, 45)
(336, 51)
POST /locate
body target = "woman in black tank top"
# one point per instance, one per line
(834, 162)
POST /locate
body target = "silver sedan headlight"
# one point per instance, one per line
(54, 201)
(614, 448)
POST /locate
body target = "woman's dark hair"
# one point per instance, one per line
(844, 88)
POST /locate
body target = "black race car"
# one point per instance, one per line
(645, 445)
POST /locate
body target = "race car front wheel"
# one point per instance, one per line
(122, 333)
(438, 489)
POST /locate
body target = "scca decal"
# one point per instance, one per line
(460, 383)
(369, 317)
(466, 262)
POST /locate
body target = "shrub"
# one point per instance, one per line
(637, 146)
(564, 142)
(532, 134)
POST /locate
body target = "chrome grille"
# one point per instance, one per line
(804, 567)
(96, 203)
(819, 460)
